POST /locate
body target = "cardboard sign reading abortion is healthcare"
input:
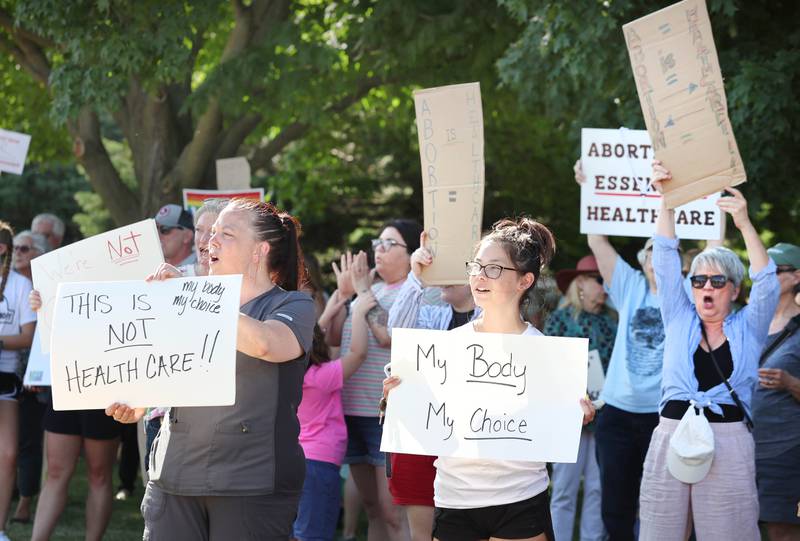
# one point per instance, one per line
(450, 128)
(617, 199)
(484, 395)
(683, 100)
(127, 253)
(13, 149)
(166, 343)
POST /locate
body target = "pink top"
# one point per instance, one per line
(323, 434)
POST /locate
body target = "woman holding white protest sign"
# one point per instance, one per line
(498, 499)
(700, 467)
(583, 314)
(17, 323)
(237, 472)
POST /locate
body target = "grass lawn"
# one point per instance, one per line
(126, 520)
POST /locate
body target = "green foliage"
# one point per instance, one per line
(24, 101)
(43, 189)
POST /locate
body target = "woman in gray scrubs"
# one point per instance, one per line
(237, 472)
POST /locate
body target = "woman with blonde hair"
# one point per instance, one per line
(583, 314)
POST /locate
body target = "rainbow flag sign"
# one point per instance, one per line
(193, 199)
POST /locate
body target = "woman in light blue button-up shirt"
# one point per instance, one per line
(721, 503)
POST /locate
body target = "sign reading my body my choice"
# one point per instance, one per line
(166, 343)
(617, 198)
(486, 395)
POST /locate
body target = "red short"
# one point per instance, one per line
(412, 478)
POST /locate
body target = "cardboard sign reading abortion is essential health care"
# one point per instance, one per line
(617, 198)
(164, 343)
(683, 100)
(485, 395)
(127, 253)
(13, 149)
(450, 129)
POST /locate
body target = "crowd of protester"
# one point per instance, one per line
(695, 432)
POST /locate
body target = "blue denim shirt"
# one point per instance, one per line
(746, 331)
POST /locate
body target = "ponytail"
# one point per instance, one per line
(282, 231)
(7, 238)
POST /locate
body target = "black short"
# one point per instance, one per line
(10, 386)
(92, 424)
(519, 520)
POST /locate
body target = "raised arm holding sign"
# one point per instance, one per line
(682, 95)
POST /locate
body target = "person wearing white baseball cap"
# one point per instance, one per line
(700, 467)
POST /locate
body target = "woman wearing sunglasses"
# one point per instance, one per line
(698, 472)
(498, 499)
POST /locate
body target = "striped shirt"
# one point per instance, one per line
(409, 310)
(362, 392)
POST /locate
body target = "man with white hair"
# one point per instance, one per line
(51, 227)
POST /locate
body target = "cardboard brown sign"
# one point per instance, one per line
(450, 128)
(683, 100)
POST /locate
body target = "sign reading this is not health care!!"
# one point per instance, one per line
(160, 343)
(486, 395)
(617, 198)
(682, 95)
(450, 129)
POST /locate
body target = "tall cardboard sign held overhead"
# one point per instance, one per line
(683, 100)
(450, 128)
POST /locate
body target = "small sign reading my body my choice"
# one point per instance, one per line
(166, 343)
(486, 395)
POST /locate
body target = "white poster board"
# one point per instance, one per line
(233, 174)
(13, 150)
(126, 253)
(145, 344)
(617, 198)
(485, 395)
(450, 130)
(597, 377)
(37, 372)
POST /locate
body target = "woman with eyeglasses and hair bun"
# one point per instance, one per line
(498, 499)
(700, 467)
(236, 472)
(583, 314)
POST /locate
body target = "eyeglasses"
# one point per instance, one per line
(784, 268)
(22, 248)
(492, 271)
(718, 281)
(165, 229)
(385, 244)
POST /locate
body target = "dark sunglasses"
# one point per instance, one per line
(165, 229)
(718, 281)
(597, 278)
(784, 268)
(22, 248)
